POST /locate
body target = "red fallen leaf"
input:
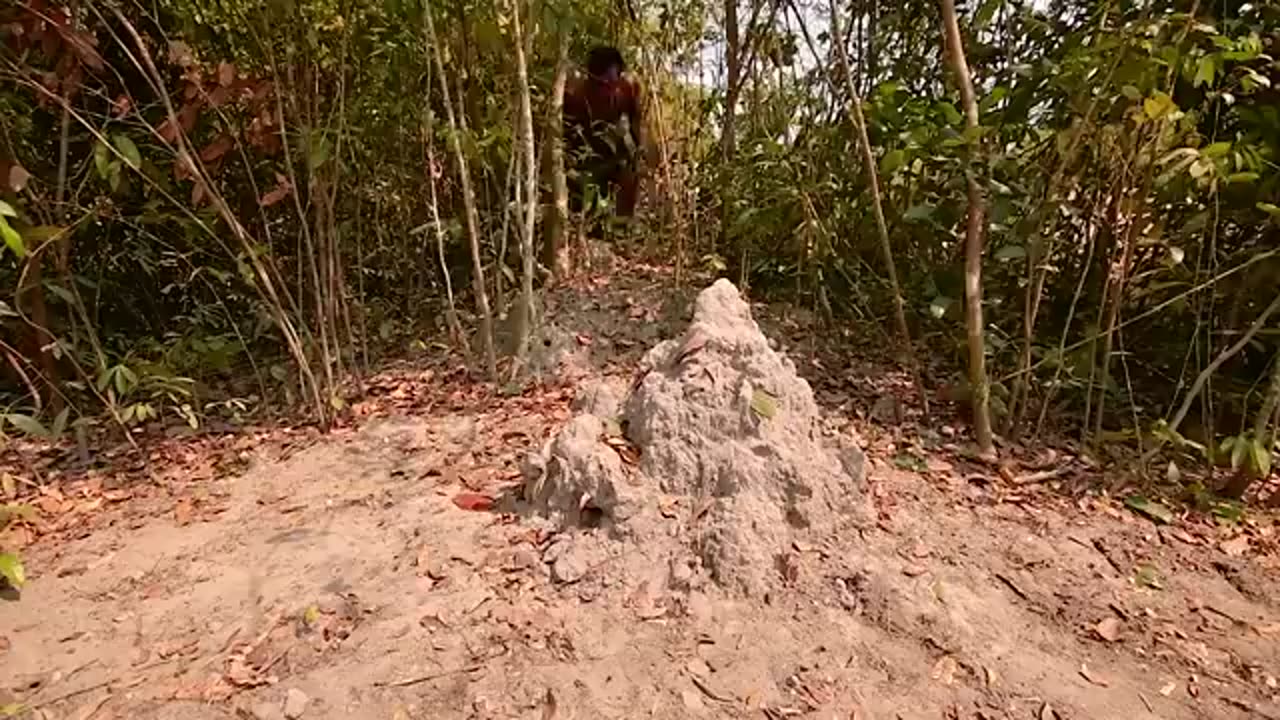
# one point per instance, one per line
(473, 501)
(280, 192)
(219, 96)
(220, 146)
(226, 73)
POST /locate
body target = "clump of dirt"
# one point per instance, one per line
(722, 422)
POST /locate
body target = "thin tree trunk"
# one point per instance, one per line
(733, 71)
(469, 205)
(451, 311)
(524, 323)
(1115, 298)
(1226, 354)
(554, 243)
(981, 388)
(877, 206)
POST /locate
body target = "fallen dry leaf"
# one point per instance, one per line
(1108, 629)
(628, 452)
(1096, 680)
(1236, 546)
(183, 512)
(692, 344)
(945, 670)
(473, 501)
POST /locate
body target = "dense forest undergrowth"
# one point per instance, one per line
(1030, 249)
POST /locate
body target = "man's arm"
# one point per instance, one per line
(573, 115)
(637, 113)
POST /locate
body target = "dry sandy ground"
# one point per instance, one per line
(342, 581)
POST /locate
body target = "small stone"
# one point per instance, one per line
(699, 608)
(266, 711)
(295, 703)
(568, 568)
(693, 700)
(523, 559)
(681, 574)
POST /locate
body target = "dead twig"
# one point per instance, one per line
(429, 677)
(99, 685)
(707, 690)
(1042, 476)
(93, 710)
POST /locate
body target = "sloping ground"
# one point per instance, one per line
(344, 581)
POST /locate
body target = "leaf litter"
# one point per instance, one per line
(77, 505)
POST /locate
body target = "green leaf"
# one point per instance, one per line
(12, 239)
(16, 511)
(102, 159)
(939, 305)
(1131, 92)
(952, 115)
(1205, 71)
(918, 213)
(993, 98)
(27, 425)
(1253, 79)
(11, 570)
(6, 210)
(1243, 177)
(1261, 458)
(1269, 208)
(1149, 508)
(986, 11)
(910, 461)
(764, 404)
(1146, 576)
(1011, 252)
(1239, 453)
(1216, 150)
(319, 152)
(60, 423)
(891, 161)
(1158, 105)
(130, 152)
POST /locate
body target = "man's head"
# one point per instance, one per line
(604, 63)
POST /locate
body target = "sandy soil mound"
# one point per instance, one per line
(720, 419)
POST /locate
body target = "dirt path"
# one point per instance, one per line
(344, 582)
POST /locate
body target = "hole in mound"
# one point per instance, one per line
(592, 516)
(796, 519)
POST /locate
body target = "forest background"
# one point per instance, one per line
(1063, 216)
